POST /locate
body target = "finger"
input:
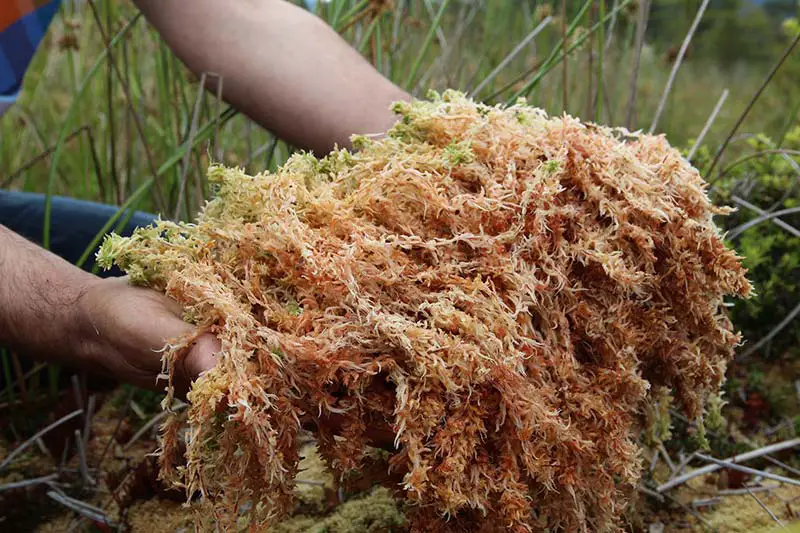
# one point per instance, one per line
(196, 358)
(202, 355)
(164, 330)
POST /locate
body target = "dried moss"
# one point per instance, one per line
(741, 513)
(505, 289)
(159, 515)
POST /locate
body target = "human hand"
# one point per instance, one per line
(123, 329)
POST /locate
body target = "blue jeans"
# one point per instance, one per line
(74, 223)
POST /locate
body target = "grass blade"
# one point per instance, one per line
(550, 63)
(748, 470)
(28, 482)
(641, 27)
(439, 33)
(755, 155)
(129, 206)
(8, 180)
(792, 118)
(355, 14)
(564, 62)
(190, 139)
(425, 45)
(337, 13)
(378, 48)
(65, 127)
(458, 34)
(765, 508)
(133, 200)
(611, 25)
(777, 329)
(365, 39)
(137, 122)
(601, 70)
(707, 469)
(590, 67)
(707, 126)
(517, 49)
(203, 134)
(677, 64)
(735, 232)
(778, 222)
(750, 104)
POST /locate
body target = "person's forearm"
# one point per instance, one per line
(280, 65)
(55, 312)
(39, 293)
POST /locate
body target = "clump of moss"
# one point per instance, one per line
(316, 482)
(508, 291)
(374, 512)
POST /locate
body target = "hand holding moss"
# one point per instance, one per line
(124, 330)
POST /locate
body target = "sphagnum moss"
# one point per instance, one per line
(509, 291)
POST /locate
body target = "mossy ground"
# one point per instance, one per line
(374, 510)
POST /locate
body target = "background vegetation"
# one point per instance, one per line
(109, 114)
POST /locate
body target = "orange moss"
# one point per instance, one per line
(507, 290)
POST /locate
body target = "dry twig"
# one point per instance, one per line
(766, 450)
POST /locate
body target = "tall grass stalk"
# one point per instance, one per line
(552, 60)
(787, 52)
(356, 13)
(338, 8)
(711, 118)
(550, 64)
(511, 55)
(601, 70)
(127, 209)
(641, 28)
(425, 45)
(677, 64)
(113, 69)
(367, 37)
(187, 155)
(65, 128)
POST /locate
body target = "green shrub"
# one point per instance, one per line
(767, 177)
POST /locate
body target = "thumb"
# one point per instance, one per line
(201, 356)
(196, 358)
